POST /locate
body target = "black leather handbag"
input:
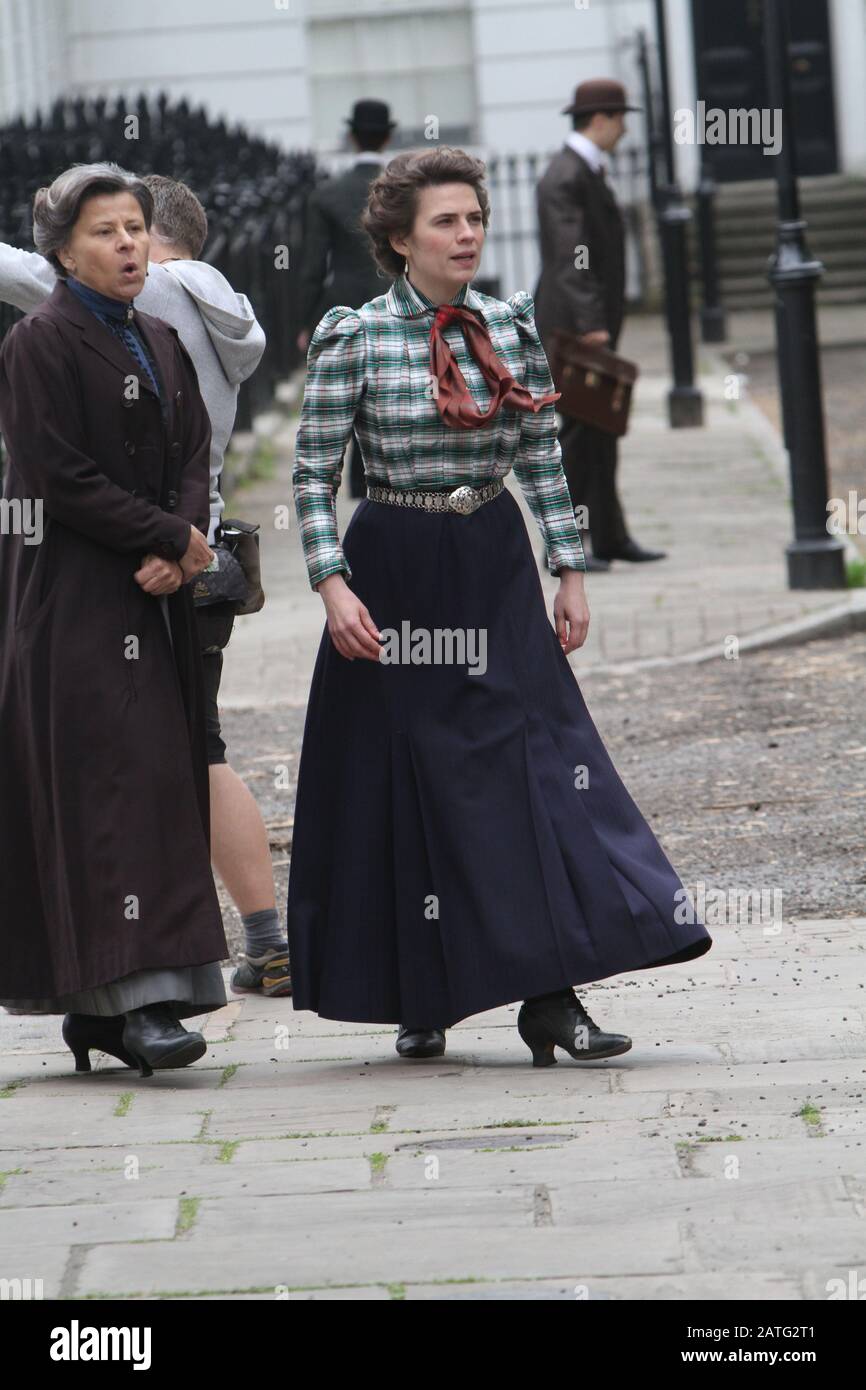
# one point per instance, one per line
(230, 585)
(234, 574)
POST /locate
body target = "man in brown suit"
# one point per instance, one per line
(582, 290)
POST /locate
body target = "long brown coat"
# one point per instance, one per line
(104, 826)
(576, 207)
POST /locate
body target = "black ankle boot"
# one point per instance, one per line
(560, 1020)
(81, 1032)
(157, 1040)
(420, 1042)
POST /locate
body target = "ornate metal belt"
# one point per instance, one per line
(462, 500)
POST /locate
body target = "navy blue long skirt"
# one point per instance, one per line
(449, 854)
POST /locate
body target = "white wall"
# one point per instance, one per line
(416, 55)
(290, 69)
(530, 57)
(244, 60)
(32, 55)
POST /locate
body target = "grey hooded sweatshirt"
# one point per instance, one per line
(216, 325)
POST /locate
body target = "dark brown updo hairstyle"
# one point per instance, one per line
(392, 202)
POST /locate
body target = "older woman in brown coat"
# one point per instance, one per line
(109, 912)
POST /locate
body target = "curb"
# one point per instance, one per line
(840, 620)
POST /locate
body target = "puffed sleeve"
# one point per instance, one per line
(538, 465)
(336, 364)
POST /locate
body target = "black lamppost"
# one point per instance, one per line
(713, 326)
(685, 401)
(815, 559)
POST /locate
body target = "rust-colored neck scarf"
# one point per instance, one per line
(455, 403)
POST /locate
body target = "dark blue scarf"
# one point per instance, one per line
(116, 315)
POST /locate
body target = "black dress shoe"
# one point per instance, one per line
(81, 1032)
(560, 1020)
(630, 550)
(157, 1040)
(420, 1042)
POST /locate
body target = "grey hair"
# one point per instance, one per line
(56, 209)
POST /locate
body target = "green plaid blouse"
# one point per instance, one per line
(369, 369)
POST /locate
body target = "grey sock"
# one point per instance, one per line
(263, 930)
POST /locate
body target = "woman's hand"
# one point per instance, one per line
(198, 554)
(352, 630)
(571, 611)
(158, 576)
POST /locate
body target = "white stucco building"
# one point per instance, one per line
(492, 73)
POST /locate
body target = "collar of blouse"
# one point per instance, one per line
(405, 301)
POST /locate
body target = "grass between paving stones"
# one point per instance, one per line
(378, 1127)
(512, 1149)
(125, 1101)
(811, 1116)
(381, 1127)
(187, 1213)
(855, 574)
(228, 1148)
(289, 1288)
(9, 1173)
(227, 1073)
(710, 1139)
(377, 1163)
(10, 1088)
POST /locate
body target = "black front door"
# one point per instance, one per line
(729, 62)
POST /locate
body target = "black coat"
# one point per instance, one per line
(104, 855)
(338, 265)
(576, 207)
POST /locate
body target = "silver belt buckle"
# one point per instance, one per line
(464, 500)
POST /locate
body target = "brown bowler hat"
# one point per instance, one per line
(599, 94)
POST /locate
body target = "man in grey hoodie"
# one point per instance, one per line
(220, 332)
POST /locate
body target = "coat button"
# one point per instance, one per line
(129, 446)
(135, 492)
(178, 398)
(173, 499)
(174, 450)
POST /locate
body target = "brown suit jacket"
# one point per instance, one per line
(576, 207)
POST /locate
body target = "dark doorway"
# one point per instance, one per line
(729, 62)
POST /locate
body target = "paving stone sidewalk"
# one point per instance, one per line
(724, 1157)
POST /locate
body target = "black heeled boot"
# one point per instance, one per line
(560, 1020)
(81, 1032)
(157, 1040)
(420, 1042)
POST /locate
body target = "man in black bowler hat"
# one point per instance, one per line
(337, 267)
(582, 290)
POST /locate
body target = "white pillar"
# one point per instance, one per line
(683, 81)
(848, 45)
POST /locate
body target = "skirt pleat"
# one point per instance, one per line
(447, 857)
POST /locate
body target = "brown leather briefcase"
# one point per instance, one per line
(595, 383)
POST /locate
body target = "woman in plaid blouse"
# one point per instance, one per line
(462, 839)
